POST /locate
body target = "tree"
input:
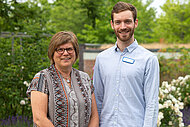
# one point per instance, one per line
(67, 15)
(173, 24)
(102, 32)
(29, 16)
(92, 8)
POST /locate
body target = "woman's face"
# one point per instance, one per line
(64, 55)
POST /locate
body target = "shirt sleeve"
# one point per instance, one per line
(38, 83)
(151, 91)
(98, 84)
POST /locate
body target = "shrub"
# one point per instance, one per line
(172, 68)
(173, 98)
(18, 65)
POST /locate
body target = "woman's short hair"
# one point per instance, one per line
(60, 38)
(122, 6)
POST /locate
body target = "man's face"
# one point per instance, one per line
(124, 25)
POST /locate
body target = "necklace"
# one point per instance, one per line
(67, 80)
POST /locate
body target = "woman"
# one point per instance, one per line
(62, 96)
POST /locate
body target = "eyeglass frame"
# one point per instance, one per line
(69, 50)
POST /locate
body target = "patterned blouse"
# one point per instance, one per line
(67, 106)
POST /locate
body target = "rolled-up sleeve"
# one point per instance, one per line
(151, 91)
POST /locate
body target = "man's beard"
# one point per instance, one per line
(127, 37)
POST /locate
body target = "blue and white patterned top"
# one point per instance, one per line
(127, 87)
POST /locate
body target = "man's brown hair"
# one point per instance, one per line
(122, 6)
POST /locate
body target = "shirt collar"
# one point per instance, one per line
(130, 48)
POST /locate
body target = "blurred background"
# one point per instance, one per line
(26, 27)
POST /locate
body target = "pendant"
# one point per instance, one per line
(68, 81)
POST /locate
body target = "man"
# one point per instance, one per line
(126, 76)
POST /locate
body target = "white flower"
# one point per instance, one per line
(160, 116)
(181, 125)
(165, 91)
(26, 99)
(22, 67)
(180, 120)
(180, 114)
(165, 84)
(26, 83)
(170, 123)
(179, 98)
(165, 105)
(183, 82)
(173, 81)
(173, 88)
(169, 102)
(170, 96)
(161, 106)
(174, 100)
(176, 106)
(8, 54)
(186, 77)
(180, 78)
(158, 123)
(181, 104)
(22, 102)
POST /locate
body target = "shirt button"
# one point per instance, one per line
(115, 108)
(117, 81)
(117, 95)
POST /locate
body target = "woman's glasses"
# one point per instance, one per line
(62, 50)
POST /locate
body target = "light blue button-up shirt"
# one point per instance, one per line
(126, 87)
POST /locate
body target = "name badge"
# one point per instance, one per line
(128, 60)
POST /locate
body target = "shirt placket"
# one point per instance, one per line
(117, 82)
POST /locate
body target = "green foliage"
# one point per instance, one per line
(103, 33)
(173, 24)
(18, 65)
(90, 19)
(173, 68)
(22, 16)
(67, 15)
(92, 8)
(146, 22)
